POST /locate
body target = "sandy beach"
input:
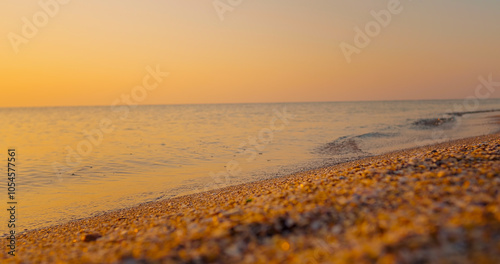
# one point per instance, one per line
(232, 131)
(435, 204)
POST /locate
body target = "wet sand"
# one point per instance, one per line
(495, 119)
(435, 204)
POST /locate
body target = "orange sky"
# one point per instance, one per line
(90, 52)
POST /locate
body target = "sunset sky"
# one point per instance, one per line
(91, 52)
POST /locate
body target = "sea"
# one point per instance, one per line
(77, 162)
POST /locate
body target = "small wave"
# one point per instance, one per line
(340, 147)
(473, 112)
(375, 135)
(350, 145)
(434, 122)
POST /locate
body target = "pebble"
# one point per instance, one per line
(90, 237)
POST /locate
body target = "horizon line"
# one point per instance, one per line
(242, 103)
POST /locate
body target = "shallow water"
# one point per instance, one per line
(76, 162)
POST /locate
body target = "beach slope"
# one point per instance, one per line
(435, 204)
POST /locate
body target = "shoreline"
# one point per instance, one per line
(298, 173)
(115, 227)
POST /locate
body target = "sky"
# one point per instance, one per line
(92, 52)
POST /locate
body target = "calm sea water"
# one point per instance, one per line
(75, 162)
